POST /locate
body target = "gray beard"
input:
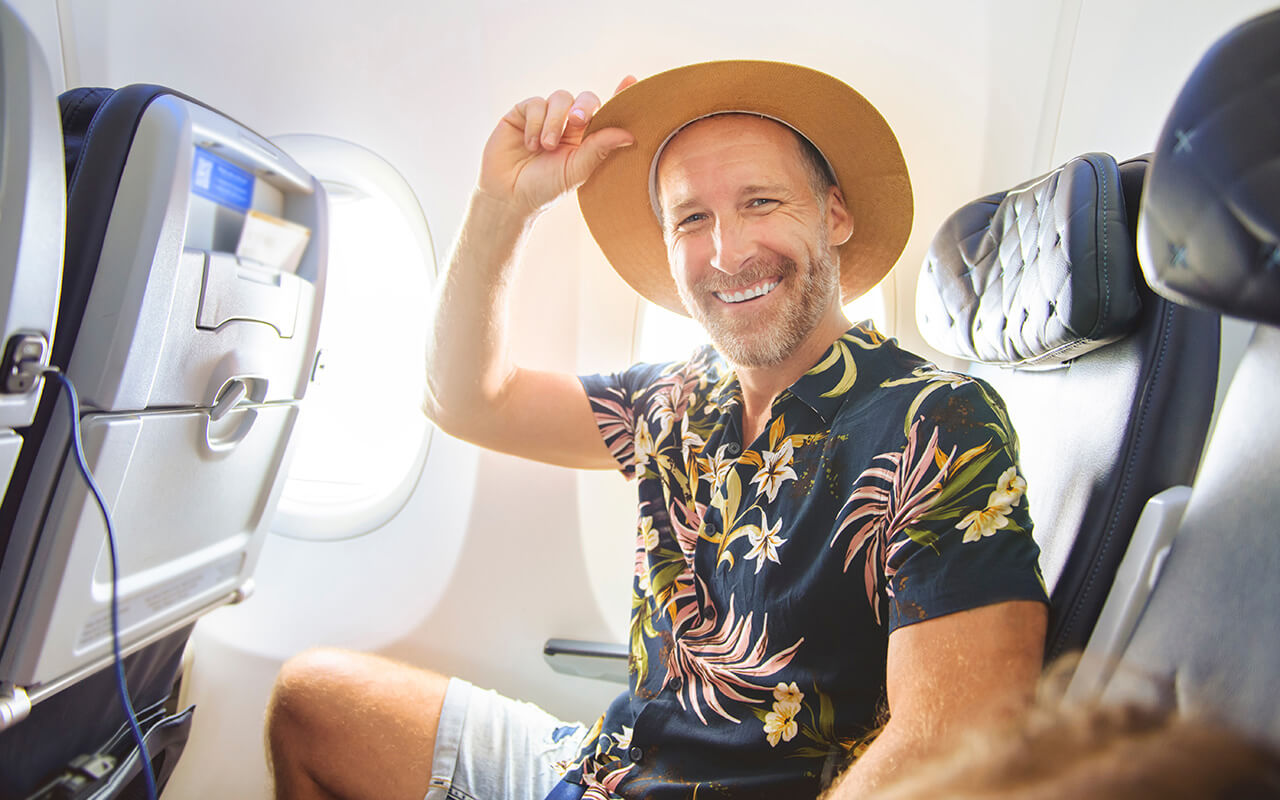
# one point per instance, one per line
(748, 345)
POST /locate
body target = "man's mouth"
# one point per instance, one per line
(750, 293)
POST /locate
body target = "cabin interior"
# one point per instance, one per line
(364, 527)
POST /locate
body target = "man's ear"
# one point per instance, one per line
(839, 221)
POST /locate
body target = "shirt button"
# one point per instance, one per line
(636, 754)
(732, 448)
(676, 683)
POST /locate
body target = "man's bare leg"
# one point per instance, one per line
(352, 726)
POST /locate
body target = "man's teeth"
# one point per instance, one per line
(749, 294)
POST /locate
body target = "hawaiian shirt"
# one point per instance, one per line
(769, 574)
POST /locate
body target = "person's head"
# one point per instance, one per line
(709, 138)
(1120, 752)
(751, 220)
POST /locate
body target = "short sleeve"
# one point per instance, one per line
(617, 401)
(966, 539)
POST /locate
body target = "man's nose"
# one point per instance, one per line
(733, 246)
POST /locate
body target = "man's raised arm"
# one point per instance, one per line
(474, 390)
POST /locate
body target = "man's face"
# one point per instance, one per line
(748, 237)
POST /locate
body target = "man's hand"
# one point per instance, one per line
(538, 151)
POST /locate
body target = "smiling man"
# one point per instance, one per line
(829, 527)
(748, 218)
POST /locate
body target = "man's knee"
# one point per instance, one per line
(320, 691)
(306, 690)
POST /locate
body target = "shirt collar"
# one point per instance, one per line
(829, 383)
(726, 391)
(826, 386)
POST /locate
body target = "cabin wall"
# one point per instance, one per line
(492, 555)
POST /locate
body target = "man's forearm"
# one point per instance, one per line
(467, 356)
(881, 762)
(935, 692)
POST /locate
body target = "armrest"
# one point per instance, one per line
(600, 660)
(1135, 579)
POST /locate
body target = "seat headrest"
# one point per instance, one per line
(1039, 274)
(1209, 232)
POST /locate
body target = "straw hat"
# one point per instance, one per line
(842, 124)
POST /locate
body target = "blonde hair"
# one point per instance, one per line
(1102, 752)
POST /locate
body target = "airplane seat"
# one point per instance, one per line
(1038, 288)
(32, 217)
(1200, 630)
(190, 307)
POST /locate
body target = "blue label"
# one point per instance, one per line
(219, 180)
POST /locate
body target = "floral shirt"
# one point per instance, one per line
(769, 574)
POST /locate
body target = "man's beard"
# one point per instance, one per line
(766, 341)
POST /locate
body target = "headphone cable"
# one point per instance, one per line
(121, 685)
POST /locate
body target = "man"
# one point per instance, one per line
(828, 524)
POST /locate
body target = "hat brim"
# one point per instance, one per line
(841, 123)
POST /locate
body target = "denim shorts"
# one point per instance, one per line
(490, 747)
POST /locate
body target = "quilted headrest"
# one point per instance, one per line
(1209, 233)
(1037, 275)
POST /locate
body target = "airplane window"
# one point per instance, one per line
(362, 437)
(663, 335)
(872, 306)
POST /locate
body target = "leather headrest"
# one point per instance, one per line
(1209, 231)
(1037, 275)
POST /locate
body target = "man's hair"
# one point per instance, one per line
(1123, 752)
(821, 178)
(816, 167)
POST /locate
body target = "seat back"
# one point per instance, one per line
(32, 221)
(1207, 634)
(190, 307)
(190, 361)
(1038, 287)
(32, 217)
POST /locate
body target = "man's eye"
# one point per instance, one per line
(690, 220)
(760, 202)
